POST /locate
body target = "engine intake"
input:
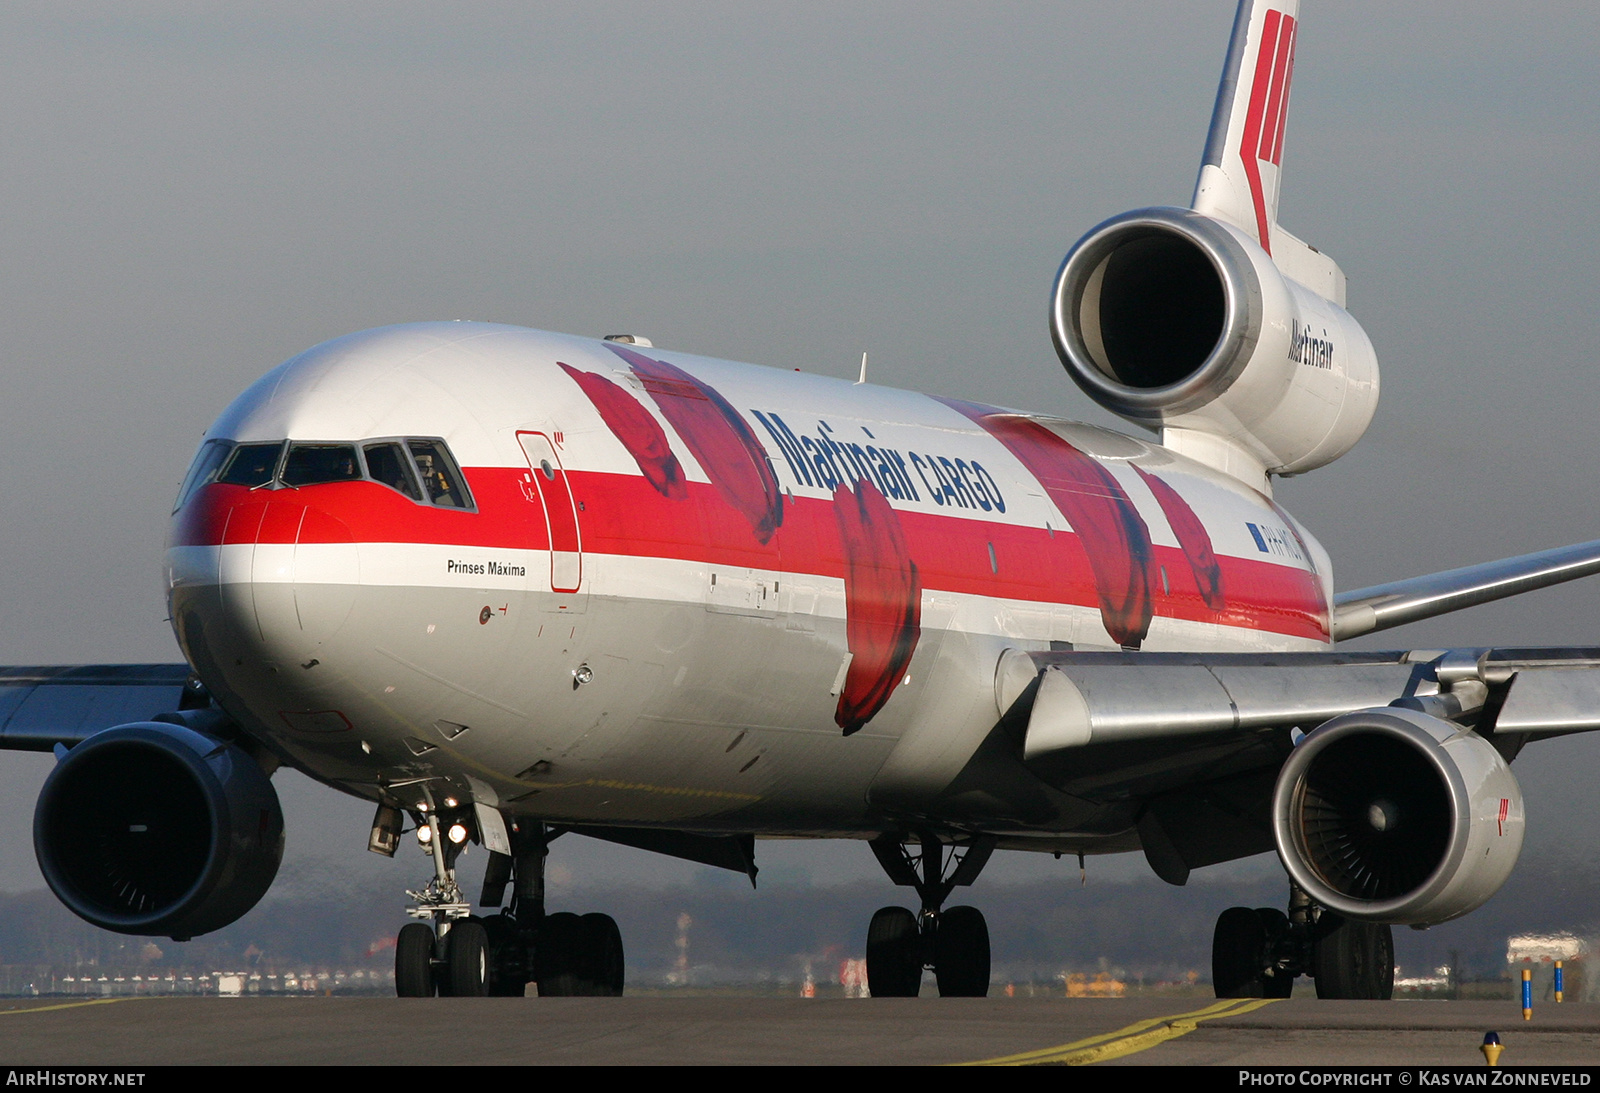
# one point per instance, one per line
(1156, 313)
(1177, 321)
(157, 829)
(1395, 816)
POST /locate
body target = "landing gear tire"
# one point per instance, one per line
(579, 956)
(466, 965)
(961, 953)
(1280, 983)
(1241, 951)
(508, 964)
(413, 962)
(602, 952)
(894, 954)
(559, 954)
(1352, 959)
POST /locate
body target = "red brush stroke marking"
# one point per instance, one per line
(882, 602)
(1114, 535)
(726, 447)
(637, 429)
(1192, 539)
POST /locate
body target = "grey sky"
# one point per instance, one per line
(195, 192)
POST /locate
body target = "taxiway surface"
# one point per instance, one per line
(664, 1031)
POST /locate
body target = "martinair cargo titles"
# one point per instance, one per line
(509, 585)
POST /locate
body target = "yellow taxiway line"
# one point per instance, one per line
(66, 1005)
(1139, 1036)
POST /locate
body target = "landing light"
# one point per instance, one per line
(424, 835)
(458, 833)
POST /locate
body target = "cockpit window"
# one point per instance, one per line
(251, 465)
(440, 479)
(421, 468)
(310, 464)
(387, 464)
(203, 469)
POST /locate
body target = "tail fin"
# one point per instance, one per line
(1238, 180)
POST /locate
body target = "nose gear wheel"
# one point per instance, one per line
(463, 955)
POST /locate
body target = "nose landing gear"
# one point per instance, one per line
(462, 955)
(953, 942)
(448, 955)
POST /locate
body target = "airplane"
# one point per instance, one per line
(510, 585)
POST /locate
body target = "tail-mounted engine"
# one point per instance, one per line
(157, 829)
(1179, 322)
(1396, 816)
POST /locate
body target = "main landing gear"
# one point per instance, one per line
(1257, 953)
(953, 942)
(456, 953)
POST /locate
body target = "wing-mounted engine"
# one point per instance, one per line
(157, 829)
(1400, 807)
(1182, 323)
(1393, 815)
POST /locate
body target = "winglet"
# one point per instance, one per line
(1239, 176)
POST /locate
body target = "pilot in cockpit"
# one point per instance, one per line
(434, 480)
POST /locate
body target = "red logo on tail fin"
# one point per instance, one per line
(1269, 110)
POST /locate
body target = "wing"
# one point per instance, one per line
(1187, 751)
(1368, 609)
(43, 707)
(1182, 754)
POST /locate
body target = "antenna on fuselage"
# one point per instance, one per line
(863, 378)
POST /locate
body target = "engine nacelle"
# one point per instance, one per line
(1396, 816)
(151, 828)
(1179, 322)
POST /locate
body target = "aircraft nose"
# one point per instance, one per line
(324, 569)
(273, 567)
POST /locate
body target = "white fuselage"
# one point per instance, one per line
(688, 592)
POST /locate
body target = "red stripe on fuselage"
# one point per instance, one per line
(624, 515)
